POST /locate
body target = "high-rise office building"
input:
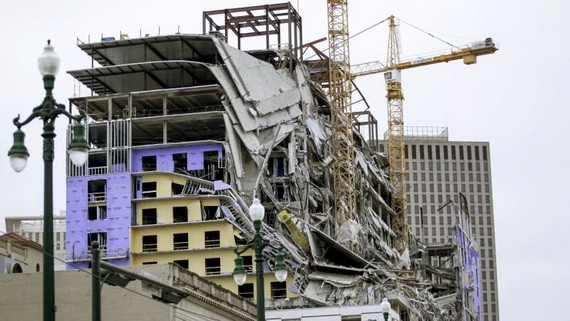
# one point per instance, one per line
(438, 170)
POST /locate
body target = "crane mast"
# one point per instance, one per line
(396, 156)
(341, 111)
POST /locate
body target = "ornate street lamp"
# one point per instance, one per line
(256, 211)
(385, 307)
(48, 111)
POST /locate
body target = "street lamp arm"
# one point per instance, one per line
(255, 243)
(240, 249)
(48, 114)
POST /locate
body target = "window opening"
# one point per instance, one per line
(149, 189)
(180, 162)
(182, 263)
(180, 241)
(278, 290)
(176, 188)
(248, 263)
(97, 212)
(149, 263)
(213, 266)
(212, 239)
(180, 214)
(97, 190)
(17, 268)
(246, 290)
(100, 237)
(149, 216)
(148, 163)
(212, 170)
(277, 166)
(210, 213)
(149, 243)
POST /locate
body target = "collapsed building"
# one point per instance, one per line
(185, 130)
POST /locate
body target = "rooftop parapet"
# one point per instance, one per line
(424, 133)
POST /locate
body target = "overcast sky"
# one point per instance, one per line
(513, 99)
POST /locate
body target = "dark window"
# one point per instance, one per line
(182, 263)
(414, 156)
(406, 152)
(211, 166)
(429, 152)
(177, 189)
(149, 263)
(277, 166)
(180, 241)
(99, 237)
(180, 162)
(149, 216)
(97, 190)
(210, 212)
(179, 214)
(97, 212)
(149, 189)
(17, 268)
(246, 290)
(469, 152)
(278, 290)
(149, 243)
(248, 263)
(213, 266)
(460, 152)
(484, 152)
(212, 239)
(453, 156)
(476, 152)
(445, 155)
(437, 155)
(422, 152)
(149, 163)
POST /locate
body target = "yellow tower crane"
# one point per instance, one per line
(395, 97)
(343, 167)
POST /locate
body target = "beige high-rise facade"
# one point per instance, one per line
(438, 170)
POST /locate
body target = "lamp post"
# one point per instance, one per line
(256, 211)
(48, 111)
(385, 307)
